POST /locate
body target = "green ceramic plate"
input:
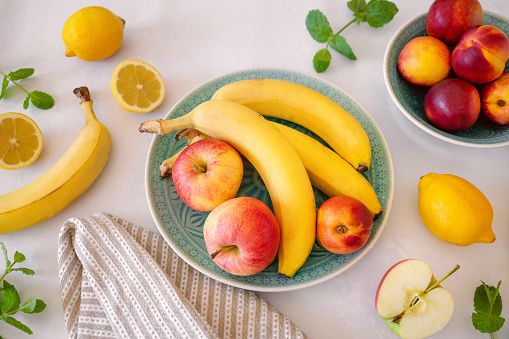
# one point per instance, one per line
(410, 99)
(182, 227)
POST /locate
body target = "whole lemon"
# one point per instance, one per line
(454, 210)
(92, 33)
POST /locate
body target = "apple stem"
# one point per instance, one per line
(199, 169)
(226, 248)
(501, 103)
(457, 267)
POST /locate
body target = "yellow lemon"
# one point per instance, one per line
(137, 86)
(454, 210)
(20, 141)
(92, 33)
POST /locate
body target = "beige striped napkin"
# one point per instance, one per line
(119, 280)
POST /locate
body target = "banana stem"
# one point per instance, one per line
(163, 127)
(85, 102)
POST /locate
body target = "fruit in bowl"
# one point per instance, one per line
(207, 173)
(452, 105)
(447, 20)
(481, 54)
(242, 236)
(411, 301)
(424, 61)
(495, 100)
(343, 224)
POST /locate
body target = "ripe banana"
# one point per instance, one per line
(308, 108)
(330, 173)
(65, 181)
(327, 171)
(275, 160)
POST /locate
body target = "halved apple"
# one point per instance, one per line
(411, 301)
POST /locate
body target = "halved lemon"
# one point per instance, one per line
(20, 141)
(137, 86)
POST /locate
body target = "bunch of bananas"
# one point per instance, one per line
(71, 176)
(288, 161)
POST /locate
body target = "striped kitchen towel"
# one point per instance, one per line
(119, 280)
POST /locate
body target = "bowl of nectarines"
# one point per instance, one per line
(450, 77)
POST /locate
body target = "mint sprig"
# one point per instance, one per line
(488, 307)
(39, 99)
(10, 301)
(376, 13)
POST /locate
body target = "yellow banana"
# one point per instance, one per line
(275, 160)
(330, 173)
(308, 108)
(327, 171)
(65, 181)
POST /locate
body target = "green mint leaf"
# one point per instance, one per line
(19, 257)
(17, 324)
(318, 26)
(27, 101)
(487, 323)
(24, 270)
(380, 12)
(321, 60)
(41, 100)
(39, 306)
(4, 250)
(487, 298)
(29, 305)
(5, 83)
(20, 74)
(357, 6)
(11, 299)
(338, 43)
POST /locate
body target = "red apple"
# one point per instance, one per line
(343, 224)
(207, 173)
(481, 54)
(452, 105)
(242, 236)
(411, 302)
(495, 100)
(424, 61)
(447, 20)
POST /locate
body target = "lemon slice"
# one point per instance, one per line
(20, 141)
(137, 86)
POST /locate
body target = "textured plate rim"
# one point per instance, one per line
(410, 116)
(365, 249)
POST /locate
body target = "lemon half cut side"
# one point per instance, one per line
(137, 86)
(20, 141)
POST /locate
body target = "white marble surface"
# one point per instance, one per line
(191, 42)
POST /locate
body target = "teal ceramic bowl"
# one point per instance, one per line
(182, 227)
(410, 99)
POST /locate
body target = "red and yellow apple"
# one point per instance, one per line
(481, 54)
(495, 100)
(447, 20)
(424, 61)
(343, 224)
(242, 236)
(452, 105)
(411, 301)
(207, 173)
